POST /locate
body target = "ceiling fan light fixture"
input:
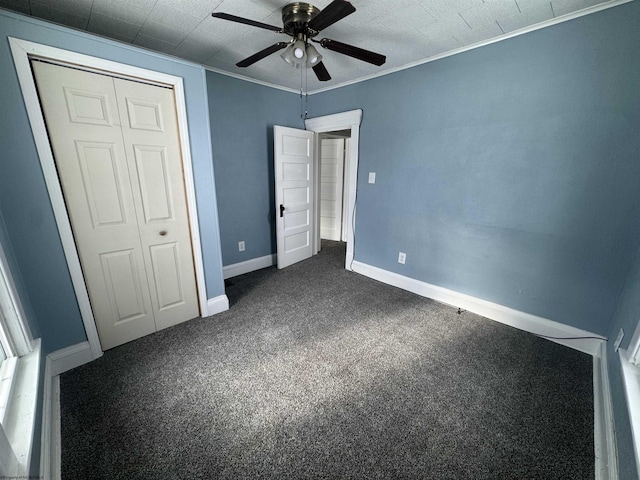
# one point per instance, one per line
(287, 56)
(313, 57)
(299, 54)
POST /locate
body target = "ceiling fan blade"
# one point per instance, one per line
(261, 54)
(336, 10)
(355, 52)
(321, 72)
(246, 21)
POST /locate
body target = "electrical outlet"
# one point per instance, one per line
(616, 344)
(241, 246)
(372, 177)
(402, 257)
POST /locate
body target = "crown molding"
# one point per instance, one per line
(251, 80)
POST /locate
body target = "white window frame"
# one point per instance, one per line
(15, 332)
(634, 347)
(630, 362)
(19, 378)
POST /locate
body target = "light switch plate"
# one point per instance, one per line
(372, 177)
(616, 344)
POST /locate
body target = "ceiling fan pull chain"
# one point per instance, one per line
(306, 93)
(301, 99)
(304, 96)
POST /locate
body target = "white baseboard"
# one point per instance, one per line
(604, 428)
(249, 266)
(45, 434)
(493, 311)
(56, 363)
(50, 441)
(631, 387)
(217, 304)
(70, 357)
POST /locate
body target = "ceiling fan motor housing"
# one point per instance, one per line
(295, 16)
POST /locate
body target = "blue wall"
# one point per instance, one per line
(626, 317)
(509, 172)
(24, 203)
(242, 118)
(506, 172)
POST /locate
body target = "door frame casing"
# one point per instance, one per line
(350, 120)
(22, 51)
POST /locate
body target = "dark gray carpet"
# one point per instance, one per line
(316, 372)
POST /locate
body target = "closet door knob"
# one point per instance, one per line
(163, 232)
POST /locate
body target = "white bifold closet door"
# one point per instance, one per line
(117, 151)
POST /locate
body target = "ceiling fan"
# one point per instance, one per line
(302, 22)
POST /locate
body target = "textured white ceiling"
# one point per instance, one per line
(406, 31)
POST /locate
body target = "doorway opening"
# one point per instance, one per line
(344, 126)
(333, 151)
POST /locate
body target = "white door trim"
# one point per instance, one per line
(22, 51)
(340, 121)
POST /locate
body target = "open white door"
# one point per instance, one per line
(293, 167)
